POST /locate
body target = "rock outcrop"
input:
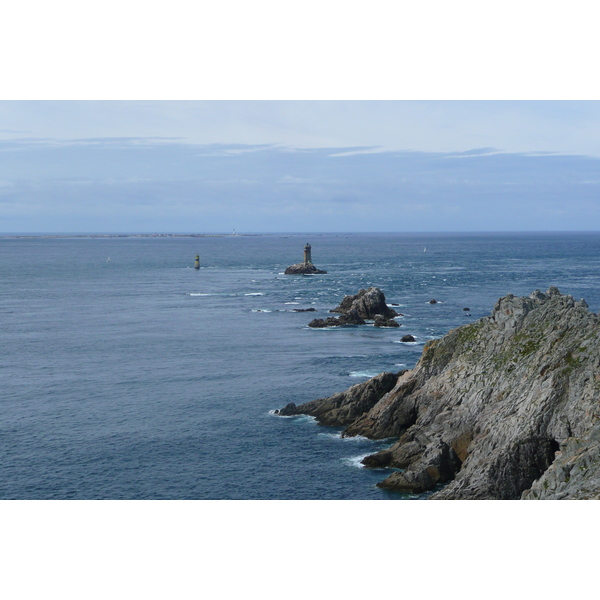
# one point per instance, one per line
(356, 310)
(381, 321)
(368, 304)
(506, 407)
(351, 318)
(303, 269)
(345, 407)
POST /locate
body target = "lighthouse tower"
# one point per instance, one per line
(307, 257)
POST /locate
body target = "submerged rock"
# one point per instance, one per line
(506, 407)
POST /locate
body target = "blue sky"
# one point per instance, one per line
(275, 166)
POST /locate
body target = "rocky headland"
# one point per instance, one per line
(506, 407)
(368, 305)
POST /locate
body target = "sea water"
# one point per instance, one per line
(127, 374)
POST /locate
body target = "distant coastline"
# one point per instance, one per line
(124, 235)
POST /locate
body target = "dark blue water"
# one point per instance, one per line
(140, 377)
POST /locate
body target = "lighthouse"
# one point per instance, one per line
(306, 267)
(307, 257)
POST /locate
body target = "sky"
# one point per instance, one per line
(313, 117)
(316, 166)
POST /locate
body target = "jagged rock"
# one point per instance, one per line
(351, 318)
(343, 408)
(287, 411)
(407, 338)
(502, 408)
(303, 269)
(381, 321)
(367, 303)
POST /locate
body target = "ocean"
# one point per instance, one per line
(127, 374)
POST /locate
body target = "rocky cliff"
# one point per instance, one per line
(506, 407)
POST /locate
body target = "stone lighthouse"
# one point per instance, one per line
(306, 267)
(307, 257)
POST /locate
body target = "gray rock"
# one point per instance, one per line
(287, 410)
(368, 304)
(502, 408)
(343, 408)
(303, 269)
(381, 321)
(351, 318)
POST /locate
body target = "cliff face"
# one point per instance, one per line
(506, 407)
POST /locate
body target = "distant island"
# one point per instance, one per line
(127, 235)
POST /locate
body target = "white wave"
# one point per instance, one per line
(200, 294)
(261, 310)
(297, 418)
(291, 302)
(254, 294)
(305, 418)
(333, 436)
(338, 436)
(274, 414)
(416, 343)
(399, 364)
(355, 461)
(371, 373)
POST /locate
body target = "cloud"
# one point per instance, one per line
(290, 179)
(123, 184)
